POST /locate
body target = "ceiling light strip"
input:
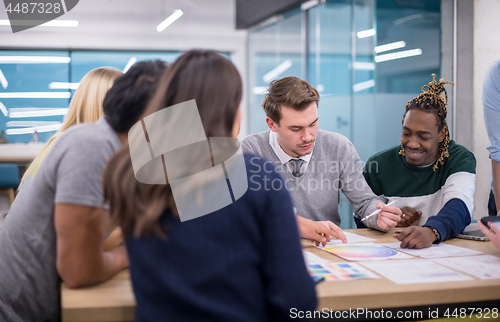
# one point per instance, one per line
(36, 95)
(167, 22)
(398, 55)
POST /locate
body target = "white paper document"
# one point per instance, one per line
(415, 271)
(312, 259)
(364, 252)
(351, 238)
(484, 267)
(435, 251)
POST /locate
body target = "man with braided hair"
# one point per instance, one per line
(430, 176)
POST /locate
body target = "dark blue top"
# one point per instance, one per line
(240, 263)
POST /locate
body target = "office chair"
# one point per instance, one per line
(9, 179)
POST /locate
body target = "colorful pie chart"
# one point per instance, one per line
(357, 252)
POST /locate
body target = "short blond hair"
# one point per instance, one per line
(85, 107)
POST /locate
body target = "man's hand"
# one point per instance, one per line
(320, 232)
(493, 233)
(388, 217)
(410, 217)
(416, 237)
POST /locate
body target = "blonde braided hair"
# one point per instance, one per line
(431, 101)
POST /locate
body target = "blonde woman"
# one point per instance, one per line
(85, 107)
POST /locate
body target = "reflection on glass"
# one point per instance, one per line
(367, 58)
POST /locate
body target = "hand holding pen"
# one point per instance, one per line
(388, 217)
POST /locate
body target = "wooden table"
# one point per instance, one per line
(114, 300)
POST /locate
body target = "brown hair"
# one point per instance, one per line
(215, 84)
(431, 101)
(290, 91)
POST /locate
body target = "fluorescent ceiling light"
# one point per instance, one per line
(131, 61)
(408, 18)
(29, 123)
(366, 33)
(167, 22)
(62, 85)
(397, 55)
(390, 46)
(3, 80)
(278, 70)
(4, 109)
(36, 95)
(363, 66)
(53, 23)
(34, 60)
(259, 90)
(363, 85)
(36, 112)
(31, 130)
(309, 4)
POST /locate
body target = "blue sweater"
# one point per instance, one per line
(240, 263)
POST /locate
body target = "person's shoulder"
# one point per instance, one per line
(92, 133)
(333, 139)
(461, 157)
(87, 139)
(258, 138)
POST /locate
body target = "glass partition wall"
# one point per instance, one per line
(366, 58)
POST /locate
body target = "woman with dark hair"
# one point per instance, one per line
(430, 176)
(239, 262)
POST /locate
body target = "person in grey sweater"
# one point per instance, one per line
(315, 164)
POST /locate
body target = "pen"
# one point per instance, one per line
(378, 210)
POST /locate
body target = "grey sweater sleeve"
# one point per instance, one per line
(354, 185)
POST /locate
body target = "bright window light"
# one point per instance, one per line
(167, 22)
(363, 85)
(31, 130)
(390, 46)
(53, 23)
(278, 70)
(34, 60)
(4, 109)
(36, 112)
(131, 61)
(366, 33)
(3, 80)
(62, 85)
(36, 95)
(397, 55)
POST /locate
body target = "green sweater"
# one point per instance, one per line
(422, 188)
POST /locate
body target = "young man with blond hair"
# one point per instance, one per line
(315, 164)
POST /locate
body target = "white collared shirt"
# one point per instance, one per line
(284, 157)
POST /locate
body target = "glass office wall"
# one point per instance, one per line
(367, 58)
(26, 97)
(275, 51)
(36, 86)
